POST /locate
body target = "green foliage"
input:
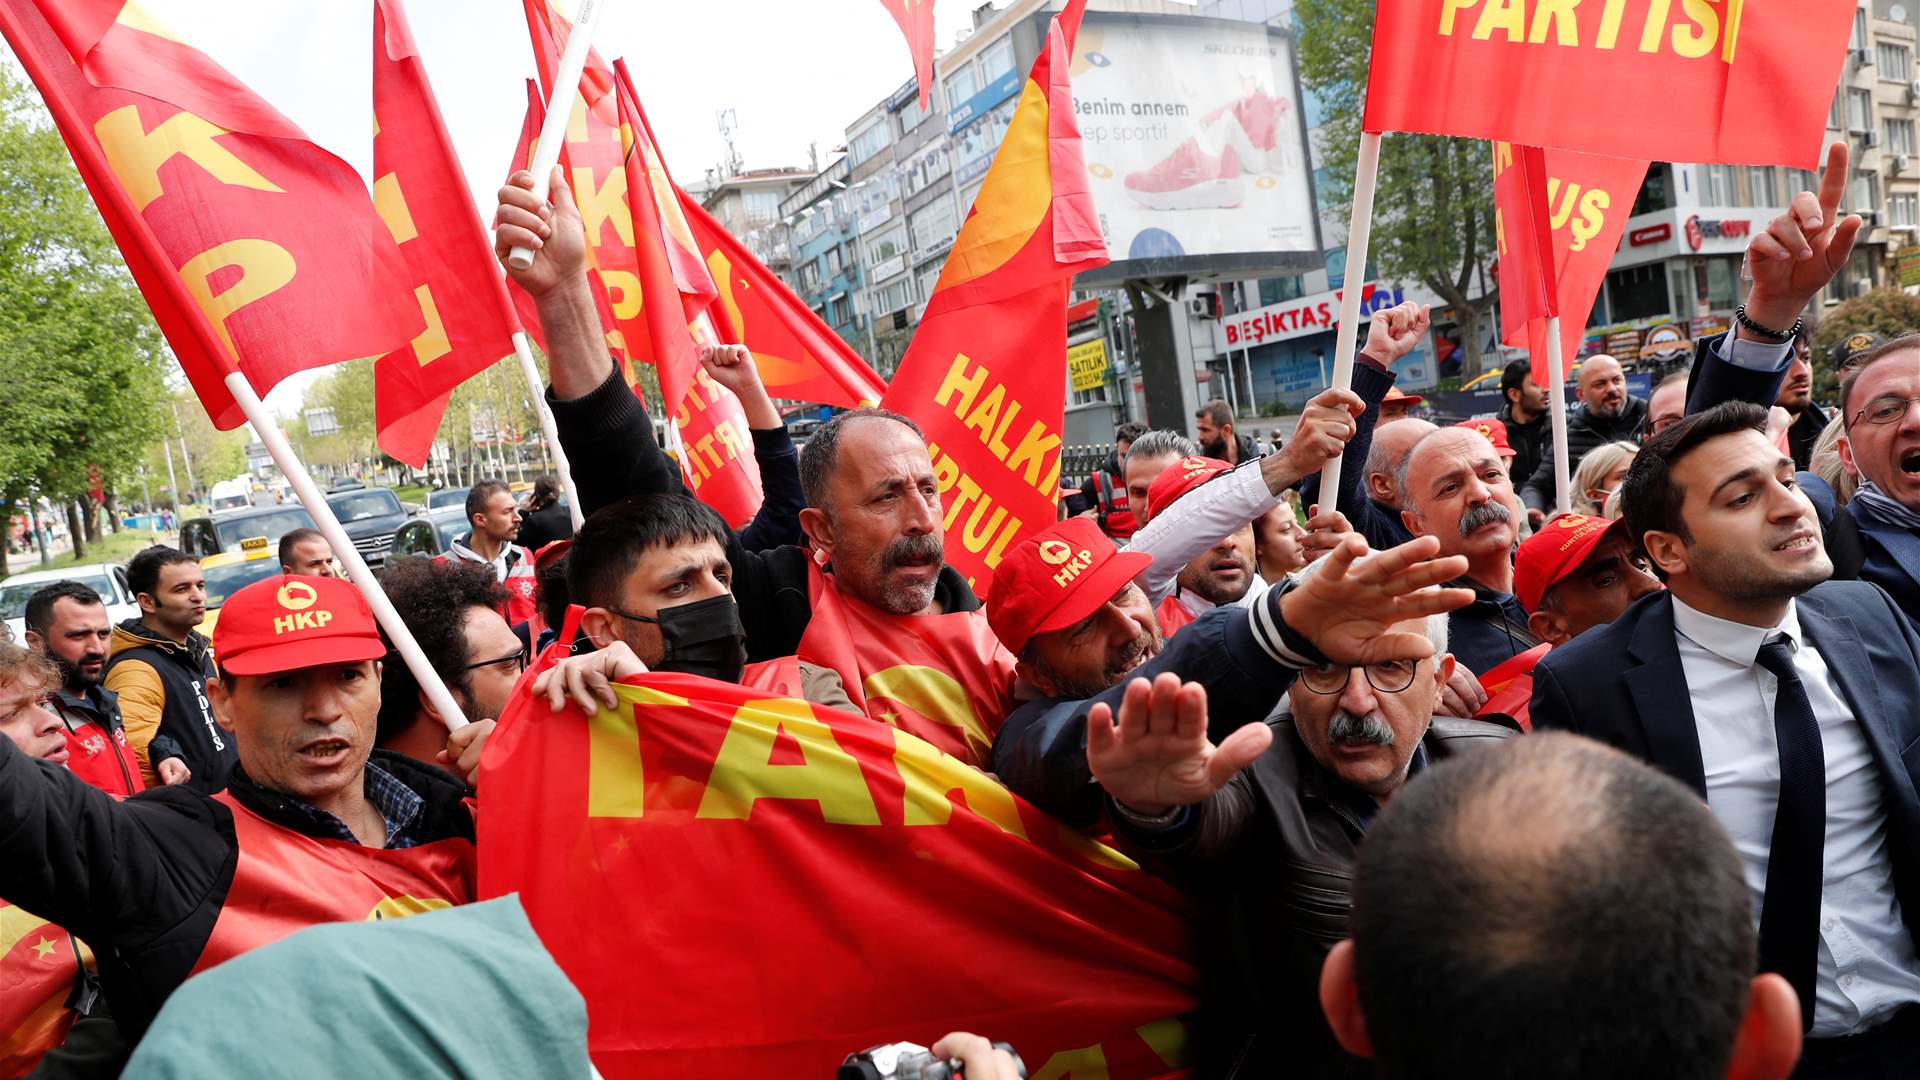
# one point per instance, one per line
(1888, 312)
(1433, 203)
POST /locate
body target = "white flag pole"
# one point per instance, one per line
(265, 426)
(566, 84)
(539, 395)
(1557, 402)
(1359, 230)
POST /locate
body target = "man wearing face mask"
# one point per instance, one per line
(652, 576)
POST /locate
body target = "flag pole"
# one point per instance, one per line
(566, 83)
(1359, 230)
(1557, 409)
(265, 426)
(547, 426)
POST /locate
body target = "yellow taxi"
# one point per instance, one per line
(230, 571)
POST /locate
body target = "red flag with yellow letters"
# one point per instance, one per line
(1697, 80)
(421, 194)
(986, 373)
(774, 885)
(256, 250)
(1558, 218)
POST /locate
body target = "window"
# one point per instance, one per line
(1763, 186)
(1716, 184)
(1275, 290)
(833, 260)
(1903, 210)
(1090, 396)
(877, 137)
(761, 207)
(1859, 39)
(1894, 61)
(928, 276)
(1866, 191)
(1638, 292)
(1657, 192)
(912, 114)
(886, 245)
(961, 85)
(996, 60)
(893, 296)
(1836, 122)
(841, 309)
(931, 165)
(1899, 137)
(1799, 180)
(934, 226)
(810, 276)
(1859, 109)
(1716, 283)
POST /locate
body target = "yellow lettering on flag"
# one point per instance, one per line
(432, 343)
(135, 155)
(1087, 1063)
(616, 785)
(932, 777)
(391, 204)
(265, 267)
(599, 205)
(743, 771)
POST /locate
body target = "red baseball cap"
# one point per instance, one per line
(1495, 431)
(1055, 578)
(1397, 397)
(287, 623)
(1555, 552)
(1179, 478)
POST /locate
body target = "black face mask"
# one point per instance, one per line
(701, 638)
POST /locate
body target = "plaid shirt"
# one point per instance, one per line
(399, 807)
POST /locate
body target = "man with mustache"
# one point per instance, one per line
(67, 622)
(1454, 487)
(1607, 413)
(1264, 825)
(1796, 396)
(1788, 702)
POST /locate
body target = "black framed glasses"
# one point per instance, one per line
(1886, 409)
(518, 658)
(1387, 676)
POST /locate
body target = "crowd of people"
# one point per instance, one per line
(1692, 850)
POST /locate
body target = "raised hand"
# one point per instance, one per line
(1158, 756)
(732, 366)
(1802, 249)
(1393, 332)
(1349, 606)
(551, 230)
(1326, 424)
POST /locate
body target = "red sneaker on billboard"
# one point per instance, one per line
(1190, 179)
(1251, 125)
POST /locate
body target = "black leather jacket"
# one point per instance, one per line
(1270, 861)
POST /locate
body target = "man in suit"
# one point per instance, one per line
(1792, 704)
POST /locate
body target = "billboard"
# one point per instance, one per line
(1195, 146)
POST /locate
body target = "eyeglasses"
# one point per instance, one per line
(1886, 409)
(518, 658)
(1387, 676)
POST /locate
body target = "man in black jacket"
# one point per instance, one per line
(1607, 413)
(1525, 414)
(1264, 827)
(172, 881)
(160, 667)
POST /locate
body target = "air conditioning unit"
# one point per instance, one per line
(1913, 91)
(1869, 139)
(1863, 57)
(1204, 305)
(1870, 218)
(1901, 162)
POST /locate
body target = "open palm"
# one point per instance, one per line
(1158, 756)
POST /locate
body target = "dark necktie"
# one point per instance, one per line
(1790, 912)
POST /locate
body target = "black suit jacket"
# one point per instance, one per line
(1624, 685)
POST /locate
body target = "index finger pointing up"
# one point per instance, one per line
(1833, 183)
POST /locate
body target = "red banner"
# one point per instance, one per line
(37, 969)
(986, 374)
(750, 887)
(916, 22)
(256, 250)
(422, 195)
(1576, 206)
(1509, 687)
(1697, 80)
(799, 356)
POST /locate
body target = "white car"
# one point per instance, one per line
(107, 579)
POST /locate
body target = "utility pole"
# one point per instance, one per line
(186, 459)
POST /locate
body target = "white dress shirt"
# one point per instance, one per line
(1867, 967)
(1196, 522)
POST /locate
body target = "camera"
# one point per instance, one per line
(909, 1061)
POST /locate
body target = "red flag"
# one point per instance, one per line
(257, 250)
(1509, 687)
(703, 860)
(37, 967)
(799, 356)
(916, 22)
(420, 192)
(1574, 205)
(986, 375)
(1698, 80)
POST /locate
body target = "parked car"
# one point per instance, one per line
(431, 533)
(446, 497)
(224, 531)
(108, 580)
(370, 515)
(230, 571)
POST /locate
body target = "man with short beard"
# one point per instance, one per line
(1796, 396)
(1264, 825)
(67, 622)
(1786, 701)
(1607, 413)
(1455, 488)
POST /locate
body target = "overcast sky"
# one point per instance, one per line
(794, 72)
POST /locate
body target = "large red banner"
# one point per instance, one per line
(256, 250)
(1574, 206)
(986, 374)
(743, 886)
(1693, 80)
(421, 194)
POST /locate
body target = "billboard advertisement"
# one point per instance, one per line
(1195, 146)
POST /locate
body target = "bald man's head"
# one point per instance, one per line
(1391, 442)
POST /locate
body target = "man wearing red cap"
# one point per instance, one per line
(1064, 601)
(315, 826)
(1496, 433)
(1577, 573)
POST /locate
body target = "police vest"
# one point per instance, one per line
(284, 881)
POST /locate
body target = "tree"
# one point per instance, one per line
(1433, 205)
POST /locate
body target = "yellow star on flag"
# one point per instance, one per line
(44, 948)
